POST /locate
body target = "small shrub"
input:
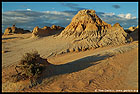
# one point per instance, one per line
(29, 67)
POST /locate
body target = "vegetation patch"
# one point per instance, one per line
(30, 67)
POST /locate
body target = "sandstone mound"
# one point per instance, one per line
(39, 32)
(115, 36)
(134, 34)
(87, 31)
(15, 30)
(131, 29)
(8, 30)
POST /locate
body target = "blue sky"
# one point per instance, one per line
(27, 15)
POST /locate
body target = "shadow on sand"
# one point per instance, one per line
(9, 38)
(73, 66)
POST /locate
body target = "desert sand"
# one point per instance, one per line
(105, 68)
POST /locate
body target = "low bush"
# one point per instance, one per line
(30, 67)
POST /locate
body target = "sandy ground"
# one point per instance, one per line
(95, 70)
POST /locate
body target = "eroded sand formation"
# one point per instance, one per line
(45, 31)
(88, 31)
(15, 30)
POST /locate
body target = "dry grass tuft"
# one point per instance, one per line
(30, 67)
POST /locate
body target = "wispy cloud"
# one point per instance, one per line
(29, 19)
(28, 9)
(126, 20)
(127, 16)
(116, 6)
(57, 13)
(108, 14)
(72, 6)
